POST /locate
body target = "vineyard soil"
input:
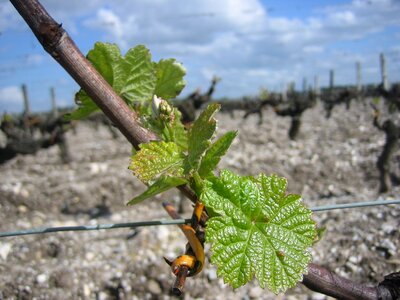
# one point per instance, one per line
(333, 161)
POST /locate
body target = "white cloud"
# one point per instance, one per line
(62, 11)
(10, 96)
(360, 18)
(107, 21)
(342, 18)
(34, 59)
(313, 49)
(201, 23)
(193, 23)
(237, 40)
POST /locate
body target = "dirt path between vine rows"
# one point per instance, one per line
(333, 161)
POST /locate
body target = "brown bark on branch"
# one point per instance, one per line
(326, 282)
(59, 45)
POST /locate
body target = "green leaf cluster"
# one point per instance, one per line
(134, 77)
(176, 161)
(165, 120)
(258, 230)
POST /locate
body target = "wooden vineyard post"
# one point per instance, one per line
(331, 79)
(27, 109)
(358, 77)
(305, 88)
(291, 87)
(284, 92)
(317, 89)
(54, 110)
(385, 82)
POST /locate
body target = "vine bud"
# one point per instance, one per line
(155, 105)
(163, 110)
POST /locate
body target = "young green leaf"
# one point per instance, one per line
(177, 132)
(140, 81)
(320, 234)
(215, 152)
(106, 59)
(258, 230)
(200, 135)
(170, 81)
(86, 106)
(157, 158)
(134, 77)
(162, 184)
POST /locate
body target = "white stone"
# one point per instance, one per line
(388, 228)
(353, 259)
(22, 209)
(89, 256)
(102, 296)
(5, 249)
(256, 292)
(97, 168)
(389, 245)
(212, 274)
(154, 287)
(41, 278)
(318, 296)
(86, 290)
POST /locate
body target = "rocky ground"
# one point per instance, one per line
(333, 161)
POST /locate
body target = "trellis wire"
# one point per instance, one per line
(354, 205)
(94, 227)
(176, 221)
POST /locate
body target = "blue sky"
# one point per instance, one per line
(249, 44)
